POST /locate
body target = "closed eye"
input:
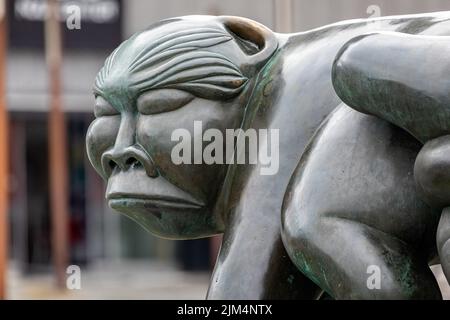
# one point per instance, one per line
(162, 100)
(103, 108)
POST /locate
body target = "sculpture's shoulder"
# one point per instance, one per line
(435, 23)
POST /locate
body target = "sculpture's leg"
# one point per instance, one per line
(354, 261)
(443, 242)
(352, 220)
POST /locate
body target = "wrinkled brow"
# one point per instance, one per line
(177, 60)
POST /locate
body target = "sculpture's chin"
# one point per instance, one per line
(167, 219)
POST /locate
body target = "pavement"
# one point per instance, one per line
(140, 280)
(115, 280)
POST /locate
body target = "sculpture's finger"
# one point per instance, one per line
(404, 79)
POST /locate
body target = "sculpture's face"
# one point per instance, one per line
(133, 146)
(153, 85)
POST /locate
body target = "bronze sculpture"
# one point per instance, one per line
(233, 73)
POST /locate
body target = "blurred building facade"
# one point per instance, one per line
(95, 231)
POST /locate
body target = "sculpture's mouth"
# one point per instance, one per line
(134, 189)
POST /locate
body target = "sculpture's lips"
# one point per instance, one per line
(134, 188)
(156, 201)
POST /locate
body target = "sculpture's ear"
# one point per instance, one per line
(256, 41)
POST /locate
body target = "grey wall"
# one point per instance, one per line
(306, 14)
(141, 13)
(27, 75)
(314, 13)
(27, 80)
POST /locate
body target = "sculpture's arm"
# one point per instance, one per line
(405, 80)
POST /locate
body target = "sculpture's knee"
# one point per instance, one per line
(299, 221)
(305, 239)
(297, 228)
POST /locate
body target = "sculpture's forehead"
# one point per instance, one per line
(173, 54)
(144, 39)
(159, 32)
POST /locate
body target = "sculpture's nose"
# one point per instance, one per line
(126, 158)
(126, 153)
